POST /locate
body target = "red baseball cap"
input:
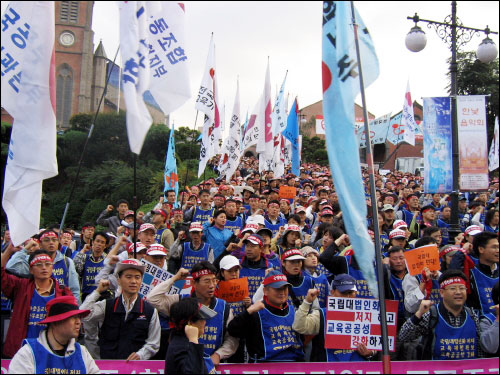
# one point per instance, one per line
(61, 308)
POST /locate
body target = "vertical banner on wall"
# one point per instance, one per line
(437, 145)
(472, 142)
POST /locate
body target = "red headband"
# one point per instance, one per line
(199, 274)
(48, 234)
(40, 258)
(453, 280)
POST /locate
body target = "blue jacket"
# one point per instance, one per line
(216, 238)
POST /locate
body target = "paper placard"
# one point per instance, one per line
(288, 192)
(419, 258)
(233, 290)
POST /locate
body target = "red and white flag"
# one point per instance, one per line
(231, 149)
(154, 58)
(28, 45)
(207, 102)
(408, 123)
(265, 143)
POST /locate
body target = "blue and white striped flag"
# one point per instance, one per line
(340, 88)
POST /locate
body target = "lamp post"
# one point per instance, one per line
(452, 32)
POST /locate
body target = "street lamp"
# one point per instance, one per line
(452, 32)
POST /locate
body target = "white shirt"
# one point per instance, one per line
(24, 361)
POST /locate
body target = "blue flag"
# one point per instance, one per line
(171, 178)
(291, 133)
(340, 88)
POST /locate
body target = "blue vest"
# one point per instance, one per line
(455, 343)
(90, 271)
(61, 272)
(484, 286)
(202, 215)
(274, 227)
(321, 354)
(399, 295)
(361, 283)
(190, 257)
(6, 303)
(487, 228)
(320, 283)
(300, 291)
(213, 336)
(233, 225)
(255, 278)
(158, 235)
(275, 262)
(435, 294)
(37, 314)
(47, 362)
(444, 231)
(281, 342)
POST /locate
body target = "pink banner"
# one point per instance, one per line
(471, 366)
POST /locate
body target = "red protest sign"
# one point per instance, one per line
(288, 192)
(351, 321)
(233, 290)
(421, 257)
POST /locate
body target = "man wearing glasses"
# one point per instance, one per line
(218, 344)
(29, 296)
(450, 330)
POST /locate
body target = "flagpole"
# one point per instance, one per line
(66, 208)
(386, 359)
(135, 205)
(190, 149)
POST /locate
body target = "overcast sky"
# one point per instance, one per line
(246, 33)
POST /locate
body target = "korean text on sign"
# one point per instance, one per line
(352, 321)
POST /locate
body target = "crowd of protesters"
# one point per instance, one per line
(78, 296)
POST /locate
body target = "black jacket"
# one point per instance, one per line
(184, 357)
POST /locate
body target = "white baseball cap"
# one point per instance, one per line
(228, 262)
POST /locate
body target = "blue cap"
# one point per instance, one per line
(344, 283)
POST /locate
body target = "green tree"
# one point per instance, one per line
(477, 78)
(314, 150)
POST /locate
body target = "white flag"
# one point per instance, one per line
(255, 124)
(153, 54)
(28, 46)
(265, 144)
(207, 102)
(494, 155)
(169, 77)
(408, 121)
(231, 150)
(378, 129)
(279, 156)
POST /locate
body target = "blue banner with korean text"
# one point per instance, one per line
(438, 164)
(340, 87)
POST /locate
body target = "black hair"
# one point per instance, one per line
(489, 216)
(425, 240)
(168, 191)
(88, 224)
(394, 249)
(120, 201)
(220, 195)
(253, 196)
(204, 265)
(54, 227)
(203, 191)
(429, 230)
(102, 234)
(475, 204)
(274, 201)
(183, 312)
(481, 240)
(448, 274)
(295, 217)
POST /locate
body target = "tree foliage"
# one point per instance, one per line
(107, 167)
(477, 78)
